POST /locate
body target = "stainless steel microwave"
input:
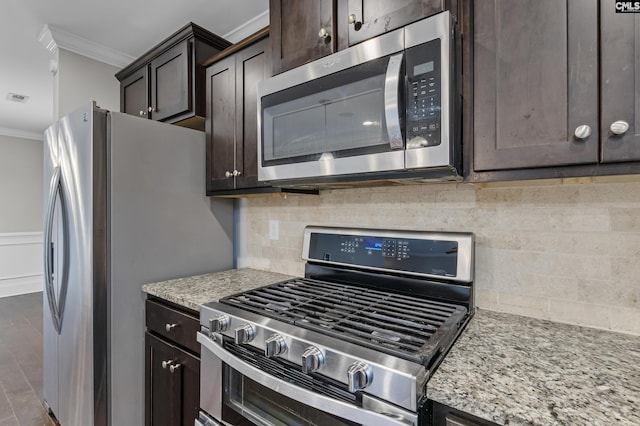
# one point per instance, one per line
(384, 109)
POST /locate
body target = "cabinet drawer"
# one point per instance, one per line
(172, 324)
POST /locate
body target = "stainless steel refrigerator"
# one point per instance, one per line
(125, 205)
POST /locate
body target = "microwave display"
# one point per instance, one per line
(423, 95)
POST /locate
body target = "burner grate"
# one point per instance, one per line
(406, 326)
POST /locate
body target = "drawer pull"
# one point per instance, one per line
(169, 327)
(174, 367)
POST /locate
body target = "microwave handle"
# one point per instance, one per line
(391, 105)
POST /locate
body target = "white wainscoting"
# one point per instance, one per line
(21, 266)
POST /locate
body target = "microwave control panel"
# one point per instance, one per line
(424, 95)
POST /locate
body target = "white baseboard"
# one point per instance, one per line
(22, 285)
(21, 269)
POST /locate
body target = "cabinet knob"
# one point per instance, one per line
(174, 367)
(582, 132)
(166, 364)
(236, 173)
(619, 127)
(227, 174)
(324, 35)
(151, 109)
(142, 113)
(353, 19)
(170, 327)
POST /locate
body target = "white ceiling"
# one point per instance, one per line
(128, 27)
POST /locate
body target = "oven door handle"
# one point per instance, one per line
(391, 101)
(307, 397)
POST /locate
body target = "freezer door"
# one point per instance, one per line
(50, 314)
(73, 168)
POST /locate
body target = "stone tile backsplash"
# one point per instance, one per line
(567, 252)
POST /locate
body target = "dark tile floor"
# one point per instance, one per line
(21, 361)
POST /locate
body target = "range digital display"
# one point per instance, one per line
(372, 243)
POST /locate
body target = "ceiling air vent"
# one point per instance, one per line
(17, 98)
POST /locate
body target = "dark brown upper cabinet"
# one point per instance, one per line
(620, 99)
(168, 82)
(134, 93)
(232, 118)
(300, 32)
(359, 20)
(552, 90)
(232, 114)
(535, 83)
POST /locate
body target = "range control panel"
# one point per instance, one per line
(424, 256)
(424, 95)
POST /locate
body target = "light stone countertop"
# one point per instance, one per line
(504, 368)
(191, 292)
(516, 370)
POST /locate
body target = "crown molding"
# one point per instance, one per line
(24, 134)
(53, 38)
(251, 26)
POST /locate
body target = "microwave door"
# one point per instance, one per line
(352, 125)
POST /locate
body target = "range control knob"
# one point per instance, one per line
(219, 323)
(274, 345)
(244, 334)
(312, 359)
(359, 375)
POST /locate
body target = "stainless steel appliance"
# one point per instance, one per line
(353, 343)
(383, 109)
(125, 204)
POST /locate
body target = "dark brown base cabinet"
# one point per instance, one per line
(172, 366)
(552, 90)
(442, 415)
(167, 83)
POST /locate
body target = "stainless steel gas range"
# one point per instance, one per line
(354, 342)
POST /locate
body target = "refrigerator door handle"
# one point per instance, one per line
(55, 306)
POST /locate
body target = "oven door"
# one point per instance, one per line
(341, 115)
(236, 392)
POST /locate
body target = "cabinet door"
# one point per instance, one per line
(220, 124)
(535, 83)
(163, 390)
(252, 66)
(369, 18)
(295, 32)
(172, 396)
(620, 67)
(134, 93)
(171, 82)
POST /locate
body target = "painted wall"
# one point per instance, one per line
(20, 185)
(80, 79)
(20, 215)
(566, 252)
